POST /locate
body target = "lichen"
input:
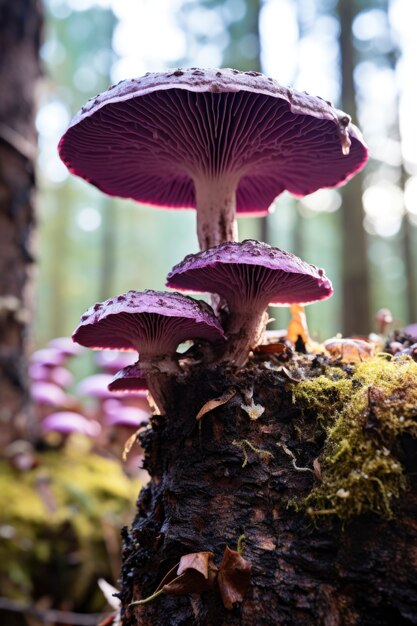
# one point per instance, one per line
(362, 411)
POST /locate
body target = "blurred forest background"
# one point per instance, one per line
(359, 54)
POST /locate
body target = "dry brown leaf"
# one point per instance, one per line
(210, 405)
(272, 348)
(234, 577)
(195, 574)
(198, 561)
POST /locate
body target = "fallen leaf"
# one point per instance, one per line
(198, 561)
(195, 574)
(234, 577)
(272, 348)
(210, 405)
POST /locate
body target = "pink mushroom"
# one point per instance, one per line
(153, 323)
(250, 276)
(221, 141)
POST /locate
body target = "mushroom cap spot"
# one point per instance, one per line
(250, 271)
(148, 139)
(130, 378)
(67, 422)
(152, 322)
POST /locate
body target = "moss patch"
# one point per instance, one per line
(60, 526)
(362, 411)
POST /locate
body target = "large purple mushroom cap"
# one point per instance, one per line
(251, 272)
(221, 141)
(150, 322)
(130, 378)
(67, 422)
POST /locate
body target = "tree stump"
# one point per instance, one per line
(227, 474)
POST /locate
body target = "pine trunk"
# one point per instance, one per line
(232, 476)
(355, 273)
(20, 31)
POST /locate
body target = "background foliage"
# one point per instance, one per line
(91, 247)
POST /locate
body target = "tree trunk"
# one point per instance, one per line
(355, 273)
(233, 476)
(20, 32)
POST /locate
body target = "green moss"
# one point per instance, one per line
(60, 524)
(361, 413)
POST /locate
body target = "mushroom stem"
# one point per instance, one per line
(244, 331)
(216, 210)
(159, 372)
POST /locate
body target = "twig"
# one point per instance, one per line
(51, 616)
(293, 459)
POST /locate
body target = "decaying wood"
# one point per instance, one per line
(202, 499)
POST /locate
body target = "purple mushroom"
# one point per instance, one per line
(120, 415)
(95, 386)
(57, 375)
(221, 141)
(112, 362)
(250, 276)
(411, 330)
(130, 378)
(64, 345)
(151, 322)
(67, 422)
(50, 357)
(48, 394)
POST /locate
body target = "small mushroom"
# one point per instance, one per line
(383, 319)
(111, 361)
(48, 394)
(57, 375)
(68, 422)
(153, 323)
(250, 276)
(64, 345)
(95, 386)
(411, 330)
(130, 378)
(220, 141)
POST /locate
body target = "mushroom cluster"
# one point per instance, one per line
(223, 142)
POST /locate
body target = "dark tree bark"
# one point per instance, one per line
(20, 34)
(201, 498)
(355, 272)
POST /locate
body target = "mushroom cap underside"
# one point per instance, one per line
(150, 138)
